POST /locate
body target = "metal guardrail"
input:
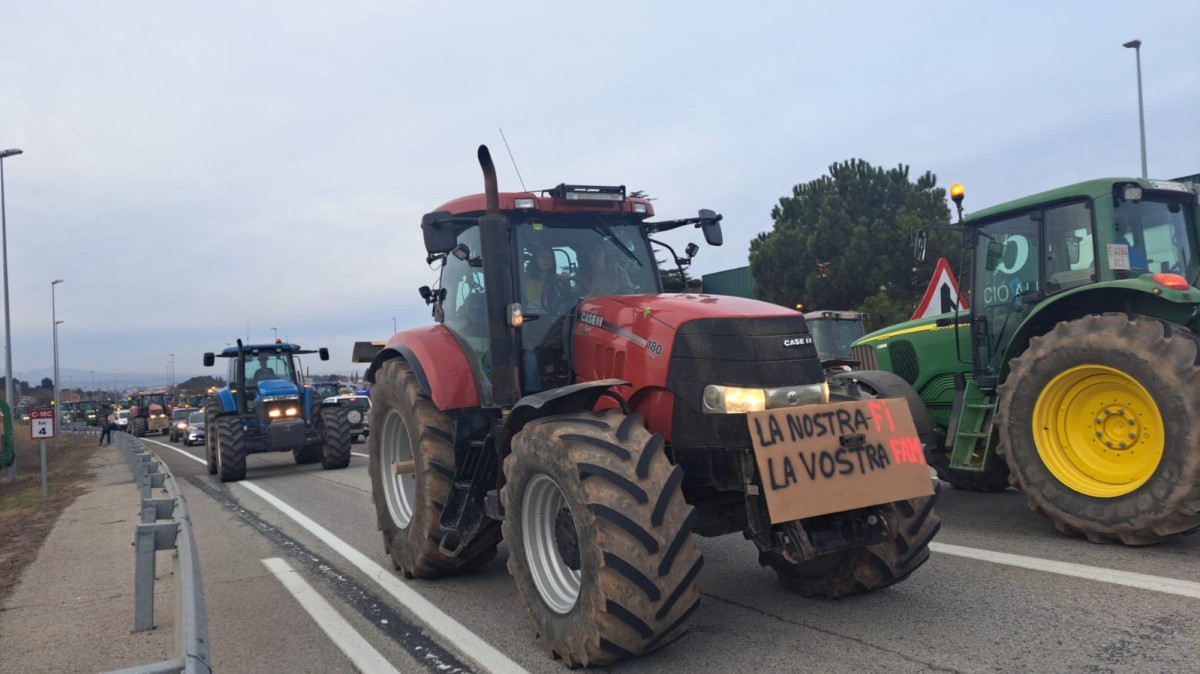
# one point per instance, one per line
(166, 525)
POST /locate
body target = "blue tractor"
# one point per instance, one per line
(266, 408)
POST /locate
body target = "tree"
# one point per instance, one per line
(844, 241)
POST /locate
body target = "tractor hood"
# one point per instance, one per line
(673, 310)
(276, 387)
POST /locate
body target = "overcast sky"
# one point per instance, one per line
(202, 171)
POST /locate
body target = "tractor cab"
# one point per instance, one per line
(1134, 238)
(510, 288)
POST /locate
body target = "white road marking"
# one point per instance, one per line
(365, 456)
(1183, 588)
(467, 642)
(341, 632)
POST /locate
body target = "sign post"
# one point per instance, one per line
(41, 428)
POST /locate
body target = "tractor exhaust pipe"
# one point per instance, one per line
(490, 188)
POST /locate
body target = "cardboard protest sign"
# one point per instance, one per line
(821, 459)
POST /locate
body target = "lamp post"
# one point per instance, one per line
(1136, 46)
(276, 334)
(172, 374)
(8, 377)
(55, 321)
(93, 383)
(393, 325)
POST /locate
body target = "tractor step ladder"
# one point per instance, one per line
(974, 428)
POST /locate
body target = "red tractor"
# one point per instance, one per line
(563, 403)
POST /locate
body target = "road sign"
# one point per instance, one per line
(942, 295)
(41, 423)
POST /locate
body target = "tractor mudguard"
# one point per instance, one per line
(574, 398)
(227, 401)
(451, 384)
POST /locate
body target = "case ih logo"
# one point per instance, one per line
(797, 341)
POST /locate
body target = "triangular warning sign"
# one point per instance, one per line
(942, 295)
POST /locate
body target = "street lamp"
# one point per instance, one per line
(93, 382)
(1136, 46)
(172, 374)
(55, 321)
(8, 377)
(276, 331)
(393, 325)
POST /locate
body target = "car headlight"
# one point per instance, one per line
(736, 400)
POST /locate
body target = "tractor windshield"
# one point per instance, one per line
(266, 364)
(565, 258)
(1156, 234)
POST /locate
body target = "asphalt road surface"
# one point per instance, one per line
(296, 580)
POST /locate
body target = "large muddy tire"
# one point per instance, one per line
(1081, 423)
(408, 506)
(335, 434)
(599, 537)
(231, 448)
(137, 426)
(210, 440)
(912, 525)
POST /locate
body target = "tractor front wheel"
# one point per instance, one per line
(138, 427)
(335, 434)
(210, 441)
(912, 525)
(883, 384)
(1082, 426)
(231, 448)
(412, 467)
(599, 536)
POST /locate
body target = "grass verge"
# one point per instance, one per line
(25, 516)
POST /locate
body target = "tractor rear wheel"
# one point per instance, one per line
(138, 427)
(1081, 421)
(912, 525)
(335, 434)
(599, 536)
(210, 441)
(231, 448)
(407, 427)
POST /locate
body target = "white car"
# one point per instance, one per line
(121, 419)
(360, 407)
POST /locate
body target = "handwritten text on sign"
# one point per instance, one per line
(821, 459)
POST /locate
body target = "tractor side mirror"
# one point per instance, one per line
(209, 359)
(438, 232)
(710, 224)
(920, 244)
(995, 253)
(323, 353)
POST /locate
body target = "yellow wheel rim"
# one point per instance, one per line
(1098, 431)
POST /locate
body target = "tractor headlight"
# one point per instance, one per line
(736, 400)
(277, 412)
(733, 400)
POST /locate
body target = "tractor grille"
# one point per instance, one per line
(904, 360)
(748, 352)
(865, 355)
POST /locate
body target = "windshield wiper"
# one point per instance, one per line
(606, 231)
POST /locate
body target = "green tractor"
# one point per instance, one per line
(1075, 374)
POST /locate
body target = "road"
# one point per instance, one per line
(296, 580)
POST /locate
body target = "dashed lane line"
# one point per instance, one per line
(342, 633)
(465, 640)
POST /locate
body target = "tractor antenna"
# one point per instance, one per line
(514, 161)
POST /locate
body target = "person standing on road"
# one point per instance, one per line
(106, 428)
